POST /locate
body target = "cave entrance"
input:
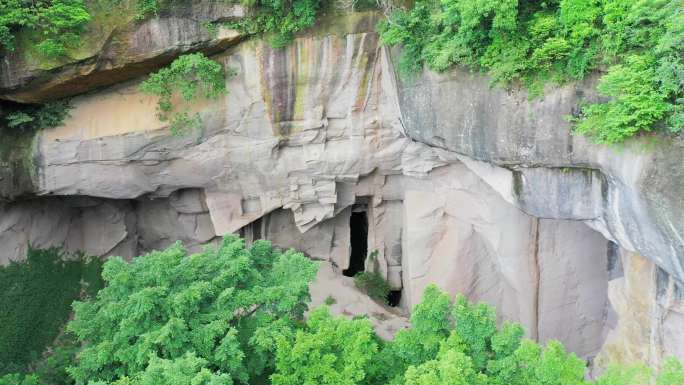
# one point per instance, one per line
(393, 298)
(358, 232)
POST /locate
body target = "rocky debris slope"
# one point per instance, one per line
(477, 189)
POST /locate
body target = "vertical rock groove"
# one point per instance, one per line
(537, 277)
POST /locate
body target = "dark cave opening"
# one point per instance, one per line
(393, 298)
(358, 228)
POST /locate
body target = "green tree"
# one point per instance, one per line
(35, 298)
(476, 325)
(330, 351)
(226, 306)
(235, 315)
(450, 368)
(430, 326)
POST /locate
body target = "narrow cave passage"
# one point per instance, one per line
(358, 228)
(393, 298)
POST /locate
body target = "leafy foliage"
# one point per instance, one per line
(36, 298)
(636, 104)
(56, 24)
(460, 344)
(235, 315)
(431, 326)
(189, 77)
(277, 19)
(534, 42)
(19, 379)
(373, 284)
(169, 317)
(30, 118)
(327, 351)
(52, 369)
(146, 8)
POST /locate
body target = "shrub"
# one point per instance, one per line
(235, 315)
(189, 76)
(29, 118)
(636, 103)
(19, 379)
(146, 8)
(52, 369)
(373, 284)
(278, 20)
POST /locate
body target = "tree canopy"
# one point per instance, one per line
(237, 315)
(211, 317)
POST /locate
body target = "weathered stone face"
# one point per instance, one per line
(631, 194)
(477, 189)
(104, 227)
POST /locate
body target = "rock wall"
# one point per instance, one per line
(104, 227)
(631, 194)
(474, 188)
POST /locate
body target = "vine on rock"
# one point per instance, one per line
(188, 77)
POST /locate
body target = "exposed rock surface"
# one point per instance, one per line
(343, 298)
(650, 314)
(476, 189)
(103, 227)
(633, 194)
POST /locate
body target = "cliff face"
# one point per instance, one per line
(477, 189)
(116, 48)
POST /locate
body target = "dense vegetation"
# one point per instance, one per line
(211, 317)
(36, 298)
(535, 42)
(54, 24)
(31, 118)
(278, 20)
(188, 77)
(235, 315)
